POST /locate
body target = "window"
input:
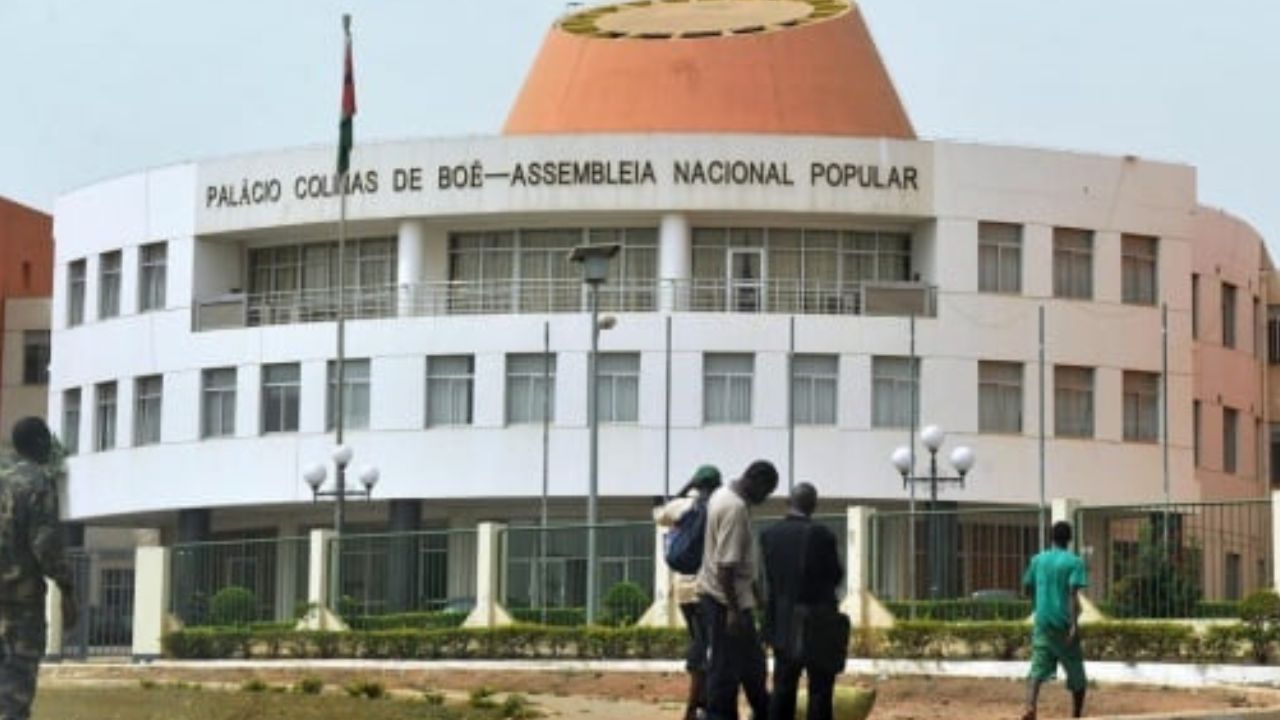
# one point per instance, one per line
(1232, 578)
(895, 392)
(814, 384)
(71, 420)
(1230, 439)
(1000, 397)
(355, 395)
(727, 381)
(152, 260)
(1257, 328)
(1141, 406)
(999, 258)
(1073, 263)
(108, 285)
(618, 394)
(1228, 315)
(1195, 432)
(1073, 402)
(281, 393)
(104, 428)
(35, 357)
(75, 293)
(1273, 334)
(218, 404)
(1275, 454)
(1195, 306)
(147, 402)
(1138, 257)
(531, 388)
(450, 384)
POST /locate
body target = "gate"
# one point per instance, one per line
(104, 585)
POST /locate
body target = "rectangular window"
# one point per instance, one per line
(147, 402)
(218, 403)
(1073, 401)
(727, 382)
(1138, 269)
(1232, 578)
(1275, 454)
(104, 427)
(35, 357)
(450, 388)
(1273, 334)
(75, 293)
(1228, 315)
(1195, 432)
(152, 261)
(618, 397)
(999, 258)
(1141, 406)
(1230, 439)
(1072, 263)
(895, 392)
(281, 397)
(109, 285)
(355, 395)
(1258, 329)
(71, 421)
(814, 386)
(1195, 306)
(1000, 397)
(531, 388)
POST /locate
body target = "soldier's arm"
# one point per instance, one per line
(46, 538)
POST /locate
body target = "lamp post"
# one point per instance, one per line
(315, 477)
(595, 270)
(962, 459)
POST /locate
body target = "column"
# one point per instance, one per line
(319, 616)
(194, 526)
(862, 607)
(675, 261)
(410, 256)
(53, 618)
(286, 580)
(402, 578)
(150, 602)
(663, 613)
(488, 611)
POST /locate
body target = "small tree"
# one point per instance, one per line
(625, 603)
(1261, 615)
(1163, 581)
(233, 605)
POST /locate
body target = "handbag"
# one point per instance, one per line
(819, 634)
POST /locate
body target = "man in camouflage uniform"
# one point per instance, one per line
(31, 549)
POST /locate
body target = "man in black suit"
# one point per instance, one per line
(802, 568)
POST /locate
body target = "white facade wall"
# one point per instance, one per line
(960, 185)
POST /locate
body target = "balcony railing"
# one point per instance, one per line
(434, 299)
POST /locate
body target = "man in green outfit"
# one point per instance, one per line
(1055, 578)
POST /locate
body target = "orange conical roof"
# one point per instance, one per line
(802, 67)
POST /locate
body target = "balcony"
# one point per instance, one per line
(436, 299)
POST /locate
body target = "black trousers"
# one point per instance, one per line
(736, 660)
(786, 681)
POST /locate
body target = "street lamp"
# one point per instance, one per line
(595, 271)
(962, 459)
(315, 477)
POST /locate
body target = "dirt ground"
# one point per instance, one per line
(628, 696)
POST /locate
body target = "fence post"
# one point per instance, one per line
(53, 618)
(1275, 540)
(150, 603)
(319, 615)
(663, 613)
(862, 607)
(488, 611)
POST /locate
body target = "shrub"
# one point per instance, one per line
(482, 698)
(253, 685)
(973, 610)
(1261, 615)
(232, 605)
(625, 603)
(1163, 581)
(406, 621)
(517, 707)
(556, 617)
(433, 697)
(309, 686)
(370, 689)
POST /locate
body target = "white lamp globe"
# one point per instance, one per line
(369, 478)
(342, 454)
(901, 459)
(314, 476)
(933, 437)
(962, 459)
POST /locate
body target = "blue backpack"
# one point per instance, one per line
(687, 538)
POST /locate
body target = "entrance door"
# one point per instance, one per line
(746, 280)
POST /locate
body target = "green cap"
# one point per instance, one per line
(707, 476)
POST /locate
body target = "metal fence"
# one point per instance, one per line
(239, 582)
(104, 585)
(1182, 560)
(431, 571)
(544, 572)
(960, 554)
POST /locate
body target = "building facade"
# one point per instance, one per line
(26, 283)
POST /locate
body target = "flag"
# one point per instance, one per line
(345, 132)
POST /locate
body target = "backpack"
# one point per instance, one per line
(687, 538)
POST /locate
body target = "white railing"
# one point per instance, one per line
(562, 296)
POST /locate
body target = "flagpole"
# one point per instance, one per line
(339, 422)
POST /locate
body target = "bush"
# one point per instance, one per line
(624, 604)
(370, 689)
(482, 699)
(1261, 615)
(254, 685)
(1163, 581)
(971, 610)
(433, 698)
(233, 605)
(407, 621)
(517, 707)
(309, 686)
(556, 617)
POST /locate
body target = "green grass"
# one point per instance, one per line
(179, 704)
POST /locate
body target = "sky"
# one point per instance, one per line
(96, 89)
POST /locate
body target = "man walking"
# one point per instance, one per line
(727, 598)
(802, 569)
(31, 549)
(1055, 578)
